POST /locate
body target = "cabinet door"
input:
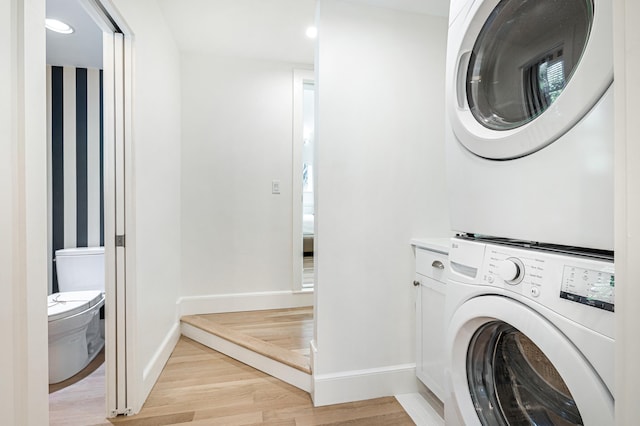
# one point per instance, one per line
(430, 357)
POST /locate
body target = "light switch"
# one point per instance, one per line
(275, 186)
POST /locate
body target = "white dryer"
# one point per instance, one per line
(530, 337)
(530, 120)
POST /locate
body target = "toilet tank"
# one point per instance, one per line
(80, 269)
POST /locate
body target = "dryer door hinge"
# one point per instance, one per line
(120, 241)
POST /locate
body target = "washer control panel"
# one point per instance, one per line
(575, 286)
(522, 272)
(589, 287)
(534, 274)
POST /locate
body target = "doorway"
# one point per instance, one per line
(86, 178)
(303, 200)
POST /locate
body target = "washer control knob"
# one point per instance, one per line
(511, 270)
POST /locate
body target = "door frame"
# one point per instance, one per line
(300, 77)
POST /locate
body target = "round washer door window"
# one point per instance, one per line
(525, 71)
(524, 56)
(511, 381)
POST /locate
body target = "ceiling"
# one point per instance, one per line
(266, 29)
(273, 29)
(83, 48)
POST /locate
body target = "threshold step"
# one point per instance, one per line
(269, 350)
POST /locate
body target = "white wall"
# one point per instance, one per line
(23, 219)
(380, 182)
(236, 138)
(627, 207)
(156, 236)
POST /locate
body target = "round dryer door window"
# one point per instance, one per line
(524, 56)
(526, 71)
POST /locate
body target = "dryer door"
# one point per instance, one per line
(526, 71)
(511, 366)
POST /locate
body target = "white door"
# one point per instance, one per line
(524, 72)
(511, 366)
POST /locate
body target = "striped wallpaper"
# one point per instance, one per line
(74, 105)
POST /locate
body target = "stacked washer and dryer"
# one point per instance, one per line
(531, 294)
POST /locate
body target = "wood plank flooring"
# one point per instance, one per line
(280, 334)
(308, 271)
(199, 386)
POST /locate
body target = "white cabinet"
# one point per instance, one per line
(431, 273)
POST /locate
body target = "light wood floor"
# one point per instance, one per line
(199, 386)
(280, 334)
(202, 386)
(307, 271)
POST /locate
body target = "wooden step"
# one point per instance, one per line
(274, 341)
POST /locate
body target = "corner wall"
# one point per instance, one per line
(380, 182)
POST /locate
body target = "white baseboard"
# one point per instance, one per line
(359, 385)
(313, 351)
(420, 410)
(153, 369)
(238, 302)
(274, 368)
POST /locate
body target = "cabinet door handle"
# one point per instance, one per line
(416, 283)
(437, 264)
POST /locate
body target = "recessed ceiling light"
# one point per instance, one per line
(58, 26)
(312, 32)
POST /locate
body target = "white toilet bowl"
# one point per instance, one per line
(75, 337)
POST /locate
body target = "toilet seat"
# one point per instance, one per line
(75, 332)
(66, 304)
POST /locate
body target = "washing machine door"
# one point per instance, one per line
(522, 73)
(510, 366)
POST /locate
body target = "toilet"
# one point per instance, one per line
(76, 333)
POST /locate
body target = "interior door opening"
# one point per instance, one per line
(304, 224)
(88, 125)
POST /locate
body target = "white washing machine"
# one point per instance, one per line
(530, 120)
(530, 337)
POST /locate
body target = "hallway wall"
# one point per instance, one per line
(237, 121)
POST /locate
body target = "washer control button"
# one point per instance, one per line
(490, 279)
(511, 270)
(535, 291)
